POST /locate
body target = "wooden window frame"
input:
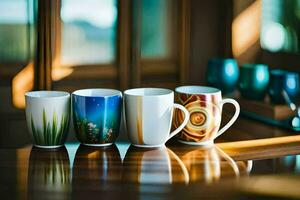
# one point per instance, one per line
(128, 69)
(49, 18)
(166, 68)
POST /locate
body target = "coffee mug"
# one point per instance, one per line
(205, 107)
(97, 115)
(253, 81)
(149, 114)
(222, 73)
(47, 116)
(283, 80)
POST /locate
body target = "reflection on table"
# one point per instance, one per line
(210, 164)
(155, 165)
(96, 168)
(222, 171)
(49, 171)
(162, 165)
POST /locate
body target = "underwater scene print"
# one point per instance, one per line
(97, 119)
(205, 117)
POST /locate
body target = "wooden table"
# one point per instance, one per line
(249, 169)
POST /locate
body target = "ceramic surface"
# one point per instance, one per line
(283, 80)
(47, 116)
(205, 107)
(253, 81)
(97, 115)
(149, 114)
(222, 73)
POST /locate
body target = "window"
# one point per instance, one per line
(157, 34)
(88, 31)
(157, 38)
(15, 18)
(280, 29)
(95, 43)
(16, 51)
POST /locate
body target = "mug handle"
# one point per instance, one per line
(232, 120)
(185, 121)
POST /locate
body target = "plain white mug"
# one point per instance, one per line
(149, 113)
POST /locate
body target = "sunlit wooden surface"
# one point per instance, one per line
(249, 169)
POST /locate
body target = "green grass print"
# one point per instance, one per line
(51, 134)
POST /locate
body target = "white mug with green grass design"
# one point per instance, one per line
(47, 116)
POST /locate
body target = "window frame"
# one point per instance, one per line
(129, 68)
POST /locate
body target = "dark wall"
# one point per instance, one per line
(210, 35)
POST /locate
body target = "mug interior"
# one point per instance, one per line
(193, 89)
(148, 92)
(47, 94)
(97, 92)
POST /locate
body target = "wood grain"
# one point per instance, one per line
(176, 171)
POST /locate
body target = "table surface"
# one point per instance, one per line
(248, 169)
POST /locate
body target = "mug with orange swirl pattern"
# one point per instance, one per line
(205, 107)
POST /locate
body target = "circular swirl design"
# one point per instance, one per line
(197, 118)
(204, 120)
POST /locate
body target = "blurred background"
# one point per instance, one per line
(73, 44)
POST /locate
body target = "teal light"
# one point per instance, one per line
(72, 148)
(253, 81)
(156, 28)
(298, 163)
(230, 69)
(123, 147)
(280, 25)
(222, 73)
(261, 74)
(291, 83)
(273, 36)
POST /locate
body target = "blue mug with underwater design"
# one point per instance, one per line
(97, 115)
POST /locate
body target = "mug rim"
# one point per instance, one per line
(223, 59)
(282, 72)
(47, 94)
(136, 92)
(197, 89)
(254, 65)
(81, 92)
